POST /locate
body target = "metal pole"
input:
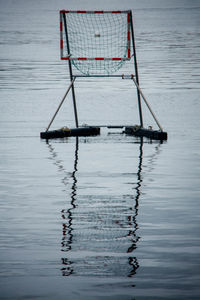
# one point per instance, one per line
(136, 71)
(102, 76)
(145, 100)
(70, 71)
(71, 84)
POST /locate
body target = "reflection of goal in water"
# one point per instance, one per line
(100, 229)
(98, 44)
(100, 232)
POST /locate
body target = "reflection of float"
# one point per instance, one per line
(106, 247)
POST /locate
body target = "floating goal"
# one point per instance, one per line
(96, 42)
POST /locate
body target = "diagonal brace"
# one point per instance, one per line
(63, 99)
(147, 104)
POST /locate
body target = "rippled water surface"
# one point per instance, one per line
(106, 217)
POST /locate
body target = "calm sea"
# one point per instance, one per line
(107, 217)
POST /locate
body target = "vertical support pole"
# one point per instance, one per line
(70, 71)
(136, 70)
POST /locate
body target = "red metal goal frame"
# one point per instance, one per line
(128, 12)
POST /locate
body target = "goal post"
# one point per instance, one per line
(96, 42)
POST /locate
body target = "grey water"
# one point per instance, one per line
(106, 217)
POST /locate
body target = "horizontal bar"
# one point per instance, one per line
(96, 58)
(99, 76)
(95, 11)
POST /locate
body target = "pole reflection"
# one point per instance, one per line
(78, 266)
(132, 219)
(67, 216)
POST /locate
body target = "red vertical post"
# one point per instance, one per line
(61, 35)
(129, 34)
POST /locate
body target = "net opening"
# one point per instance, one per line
(95, 42)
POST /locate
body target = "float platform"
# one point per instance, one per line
(135, 130)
